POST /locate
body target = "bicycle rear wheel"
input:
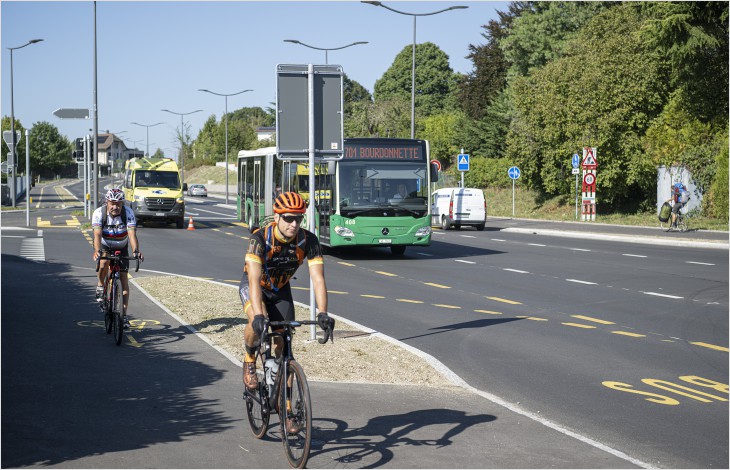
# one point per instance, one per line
(682, 224)
(257, 406)
(297, 441)
(106, 306)
(117, 308)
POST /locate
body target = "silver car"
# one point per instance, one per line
(197, 190)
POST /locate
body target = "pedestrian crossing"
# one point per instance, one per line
(33, 249)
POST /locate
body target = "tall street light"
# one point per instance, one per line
(226, 115)
(413, 61)
(12, 122)
(148, 132)
(182, 144)
(325, 49)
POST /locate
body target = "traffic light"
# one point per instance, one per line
(80, 144)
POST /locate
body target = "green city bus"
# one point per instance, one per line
(376, 195)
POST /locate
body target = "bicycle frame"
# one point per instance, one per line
(112, 303)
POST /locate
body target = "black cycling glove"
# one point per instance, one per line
(325, 322)
(258, 325)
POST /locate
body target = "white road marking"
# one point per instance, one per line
(465, 261)
(635, 256)
(516, 271)
(424, 254)
(579, 249)
(32, 248)
(468, 236)
(662, 295)
(697, 262)
(582, 282)
(498, 240)
(535, 244)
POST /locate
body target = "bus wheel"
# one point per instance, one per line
(445, 224)
(398, 250)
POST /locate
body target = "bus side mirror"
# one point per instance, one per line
(434, 172)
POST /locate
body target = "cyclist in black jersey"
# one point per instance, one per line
(274, 254)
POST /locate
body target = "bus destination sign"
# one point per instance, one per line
(383, 151)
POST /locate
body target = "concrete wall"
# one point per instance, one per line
(666, 177)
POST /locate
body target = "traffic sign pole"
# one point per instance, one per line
(27, 178)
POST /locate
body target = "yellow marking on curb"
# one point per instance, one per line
(372, 296)
(626, 333)
(710, 346)
(499, 299)
(578, 325)
(437, 285)
(445, 306)
(345, 264)
(596, 320)
(386, 274)
(410, 301)
(489, 312)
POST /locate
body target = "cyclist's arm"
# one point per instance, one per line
(134, 243)
(97, 242)
(316, 273)
(255, 272)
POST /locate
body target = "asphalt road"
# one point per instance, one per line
(623, 343)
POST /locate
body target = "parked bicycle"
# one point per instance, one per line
(291, 402)
(112, 302)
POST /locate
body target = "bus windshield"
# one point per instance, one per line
(371, 186)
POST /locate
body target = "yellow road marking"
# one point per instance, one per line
(240, 224)
(499, 299)
(437, 285)
(73, 223)
(533, 318)
(578, 325)
(710, 346)
(133, 342)
(42, 223)
(596, 320)
(410, 301)
(386, 274)
(489, 312)
(300, 288)
(627, 333)
(232, 280)
(372, 296)
(445, 306)
(336, 292)
(345, 264)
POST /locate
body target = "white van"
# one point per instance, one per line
(457, 207)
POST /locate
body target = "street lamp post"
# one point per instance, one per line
(413, 60)
(12, 122)
(226, 115)
(148, 132)
(182, 145)
(294, 41)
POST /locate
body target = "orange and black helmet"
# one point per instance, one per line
(289, 203)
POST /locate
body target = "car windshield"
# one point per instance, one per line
(158, 179)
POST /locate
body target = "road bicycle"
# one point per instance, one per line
(112, 302)
(682, 225)
(291, 402)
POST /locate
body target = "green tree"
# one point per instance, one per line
(358, 107)
(603, 93)
(435, 80)
(49, 150)
(440, 130)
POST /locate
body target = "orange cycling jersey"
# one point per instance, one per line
(281, 258)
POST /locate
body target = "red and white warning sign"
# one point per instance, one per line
(589, 158)
(589, 179)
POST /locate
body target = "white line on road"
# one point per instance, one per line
(581, 282)
(424, 254)
(579, 249)
(535, 244)
(498, 240)
(662, 295)
(468, 236)
(516, 271)
(697, 262)
(459, 260)
(635, 256)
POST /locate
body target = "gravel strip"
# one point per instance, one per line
(358, 356)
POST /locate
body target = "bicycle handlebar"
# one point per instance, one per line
(117, 258)
(328, 333)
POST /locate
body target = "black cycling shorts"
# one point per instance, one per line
(279, 304)
(106, 251)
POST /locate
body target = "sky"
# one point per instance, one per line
(157, 55)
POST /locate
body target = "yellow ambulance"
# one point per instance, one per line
(153, 190)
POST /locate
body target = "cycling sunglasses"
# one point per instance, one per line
(291, 218)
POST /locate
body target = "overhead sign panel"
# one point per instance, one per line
(293, 113)
(72, 113)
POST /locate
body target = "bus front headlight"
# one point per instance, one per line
(343, 231)
(423, 231)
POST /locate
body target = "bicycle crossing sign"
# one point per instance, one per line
(462, 162)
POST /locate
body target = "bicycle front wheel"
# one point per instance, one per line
(117, 308)
(666, 226)
(682, 224)
(295, 411)
(257, 406)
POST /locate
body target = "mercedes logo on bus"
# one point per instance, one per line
(385, 231)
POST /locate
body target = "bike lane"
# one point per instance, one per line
(166, 399)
